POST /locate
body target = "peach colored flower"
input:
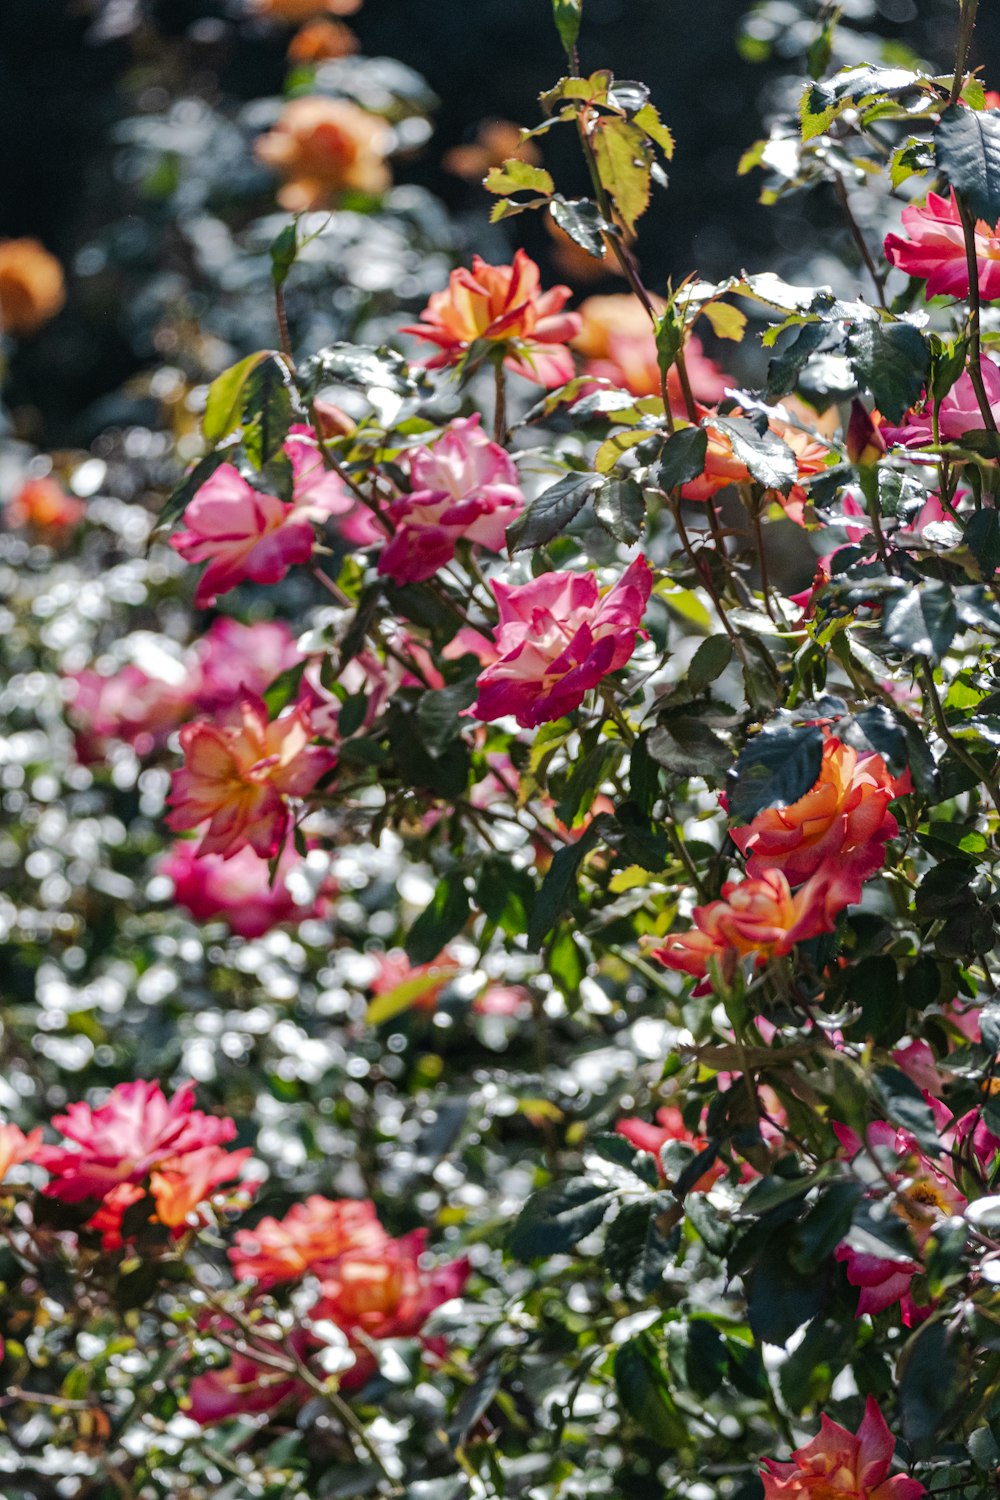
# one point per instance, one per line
(32, 286)
(294, 11)
(45, 505)
(844, 817)
(556, 638)
(617, 343)
(841, 1465)
(321, 40)
(16, 1147)
(323, 147)
(238, 777)
(504, 306)
(310, 1236)
(760, 917)
(496, 141)
(935, 249)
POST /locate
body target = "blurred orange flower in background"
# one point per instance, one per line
(294, 11)
(32, 286)
(496, 141)
(323, 147)
(320, 40)
(44, 504)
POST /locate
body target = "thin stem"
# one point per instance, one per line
(500, 405)
(706, 580)
(614, 713)
(975, 344)
(283, 333)
(858, 238)
(765, 584)
(965, 30)
(957, 749)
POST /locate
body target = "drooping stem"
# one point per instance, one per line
(858, 238)
(975, 340)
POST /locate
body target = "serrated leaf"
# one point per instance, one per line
(361, 365)
(267, 409)
(582, 221)
(778, 766)
(727, 321)
(623, 166)
(967, 147)
(551, 511)
(648, 120)
(682, 459)
(892, 360)
(439, 710)
(516, 176)
(922, 620)
(555, 1219)
(620, 506)
(224, 403)
(709, 662)
(767, 456)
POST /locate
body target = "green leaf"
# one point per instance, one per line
(903, 1103)
(967, 146)
(283, 252)
(644, 1392)
(439, 922)
(982, 537)
(928, 1382)
(555, 1219)
(709, 662)
(438, 713)
(558, 889)
(582, 221)
(224, 403)
(778, 766)
(189, 486)
(647, 117)
(551, 511)
(284, 689)
(768, 457)
(682, 459)
(568, 15)
(892, 360)
(267, 409)
(516, 176)
(620, 506)
(785, 368)
(922, 620)
(623, 166)
(360, 365)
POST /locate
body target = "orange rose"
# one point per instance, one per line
(617, 342)
(294, 11)
(44, 503)
(496, 141)
(319, 40)
(312, 1234)
(762, 917)
(324, 147)
(844, 817)
(723, 468)
(32, 286)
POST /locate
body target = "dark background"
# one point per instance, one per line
(62, 91)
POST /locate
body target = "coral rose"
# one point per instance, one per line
(45, 505)
(310, 1236)
(935, 249)
(556, 638)
(760, 917)
(463, 488)
(294, 11)
(324, 147)
(838, 1463)
(669, 1127)
(32, 286)
(238, 778)
(844, 817)
(617, 342)
(319, 41)
(503, 306)
(16, 1147)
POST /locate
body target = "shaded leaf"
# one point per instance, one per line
(623, 165)
(555, 1219)
(551, 511)
(766, 455)
(777, 767)
(583, 222)
(682, 459)
(644, 1392)
(922, 620)
(967, 148)
(440, 921)
(224, 403)
(620, 506)
(892, 361)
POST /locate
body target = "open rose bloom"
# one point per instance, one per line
(669, 1127)
(139, 1143)
(842, 1465)
(16, 1147)
(324, 147)
(240, 890)
(370, 1287)
(505, 306)
(958, 413)
(238, 777)
(934, 249)
(464, 488)
(557, 637)
(617, 343)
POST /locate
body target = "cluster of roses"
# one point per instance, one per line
(142, 1159)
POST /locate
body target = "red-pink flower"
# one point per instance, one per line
(761, 917)
(958, 413)
(463, 488)
(16, 1147)
(139, 1141)
(240, 533)
(319, 493)
(240, 889)
(233, 659)
(132, 705)
(842, 1465)
(669, 1127)
(310, 1237)
(557, 637)
(935, 249)
(43, 504)
(238, 777)
(844, 817)
(504, 306)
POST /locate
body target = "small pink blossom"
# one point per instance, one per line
(240, 890)
(238, 777)
(464, 487)
(959, 411)
(131, 705)
(935, 250)
(557, 637)
(232, 659)
(241, 534)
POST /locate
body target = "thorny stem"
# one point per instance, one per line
(975, 344)
(840, 189)
(965, 30)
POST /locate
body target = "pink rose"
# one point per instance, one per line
(463, 486)
(838, 1462)
(557, 637)
(240, 533)
(935, 250)
(234, 658)
(132, 706)
(239, 890)
(959, 412)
